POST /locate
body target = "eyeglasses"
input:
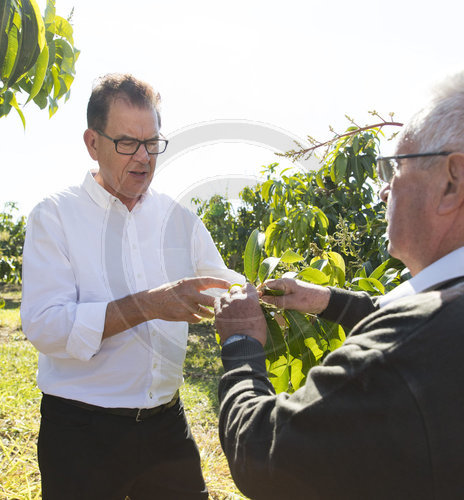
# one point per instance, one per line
(388, 166)
(129, 146)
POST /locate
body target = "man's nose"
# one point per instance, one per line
(141, 154)
(384, 192)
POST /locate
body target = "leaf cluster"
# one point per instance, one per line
(296, 342)
(37, 56)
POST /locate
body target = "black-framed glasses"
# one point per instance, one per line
(129, 146)
(387, 166)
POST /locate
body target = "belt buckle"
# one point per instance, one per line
(139, 412)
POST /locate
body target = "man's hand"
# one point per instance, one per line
(239, 312)
(298, 295)
(182, 300)
(178, 301)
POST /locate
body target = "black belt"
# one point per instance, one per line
(138, 413)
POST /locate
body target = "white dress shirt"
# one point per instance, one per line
(84, 249)
(447, 268)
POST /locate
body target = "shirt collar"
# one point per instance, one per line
(448, 267)
(100, 195)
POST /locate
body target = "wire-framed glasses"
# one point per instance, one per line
(387, 166)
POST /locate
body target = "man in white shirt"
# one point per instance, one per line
(383, 416)
(112, 273)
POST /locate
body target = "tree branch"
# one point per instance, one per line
(348, 134)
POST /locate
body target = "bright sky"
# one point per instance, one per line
(298, 66)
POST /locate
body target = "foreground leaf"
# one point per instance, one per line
(279, 374)
(252, 256)
(275, 345)
(267, 267)
(313, 275)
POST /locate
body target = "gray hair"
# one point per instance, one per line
(440, 125)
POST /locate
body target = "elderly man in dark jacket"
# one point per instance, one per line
(383, 416)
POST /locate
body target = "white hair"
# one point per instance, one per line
(440, 125)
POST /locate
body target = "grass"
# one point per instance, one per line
(20, 400)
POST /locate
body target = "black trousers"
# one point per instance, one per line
(87, 455)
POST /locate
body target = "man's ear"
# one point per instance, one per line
(453, 195)
(90, 139)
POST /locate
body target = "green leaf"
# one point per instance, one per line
(40, 72)
(6, 14)
(380, 270)
(41, 98)
(320, 178)
(56, 82)
(298, 330)
(319, 263)
(290, 257)
(63, 28)
(336, 260)
(64, 56)
(370, 285)
(341, 162)
(279, 374)
(28, 48)
(338, 266)
(313, 275)
(52, 106)
(2, 303)
(333, 332)
(252, 256)
(50, 12)
(275, 344)
(266, 188)
(313, 346)
(322, 220)
(271, 236)
(297, 373)
(267, 267)
(14, 44)
(41, 26)
(368, 165)
(5, 105)
(357, 171)
(14, 103)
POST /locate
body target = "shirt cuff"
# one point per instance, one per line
(87, 331)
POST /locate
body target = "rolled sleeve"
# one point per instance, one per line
(85, 338)
(54, 318)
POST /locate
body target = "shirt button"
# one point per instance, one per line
(151, 395)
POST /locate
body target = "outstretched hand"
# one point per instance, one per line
(178, 301)
(298, 295)
(183, 300)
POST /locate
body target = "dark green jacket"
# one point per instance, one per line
(382, 418)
